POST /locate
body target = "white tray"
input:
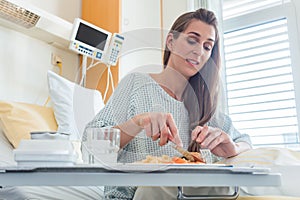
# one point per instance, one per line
(143, 168)
(132, 167)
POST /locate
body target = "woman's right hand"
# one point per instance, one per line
(159, 125)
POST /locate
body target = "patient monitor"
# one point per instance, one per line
(95, 42)
(89, 40)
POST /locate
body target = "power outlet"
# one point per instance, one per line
(55, 59)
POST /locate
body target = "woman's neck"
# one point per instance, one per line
(171, 81)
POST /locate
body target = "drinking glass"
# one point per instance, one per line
(101, 146)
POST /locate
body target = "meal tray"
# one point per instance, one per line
(192, 168)
(146, 168)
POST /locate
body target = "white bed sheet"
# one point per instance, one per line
(51, 193)
(279, 160)
(6, 151)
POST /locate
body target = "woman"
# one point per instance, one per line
(178, 105)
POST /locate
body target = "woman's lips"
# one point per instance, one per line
(192, 62)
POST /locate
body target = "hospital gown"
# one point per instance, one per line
(139, 93)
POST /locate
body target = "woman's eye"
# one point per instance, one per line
(191, 40)
(207, 47)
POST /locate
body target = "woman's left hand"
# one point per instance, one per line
(219, 142)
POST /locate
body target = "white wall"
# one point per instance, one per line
(25, 60)
(141, 26)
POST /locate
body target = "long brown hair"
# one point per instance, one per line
(201, 94)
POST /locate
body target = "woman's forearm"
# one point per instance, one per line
(129, 130)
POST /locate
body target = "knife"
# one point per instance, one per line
(188, 155)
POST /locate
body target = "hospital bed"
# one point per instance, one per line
(19, 117)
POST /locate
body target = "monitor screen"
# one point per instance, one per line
(91, 36)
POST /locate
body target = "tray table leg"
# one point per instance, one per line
(182, 196)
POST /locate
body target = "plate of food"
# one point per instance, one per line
(175, 164)
(161, 163)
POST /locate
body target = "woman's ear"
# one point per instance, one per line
(170, 41)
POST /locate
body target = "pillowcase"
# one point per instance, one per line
(74, 106)
(17, 120)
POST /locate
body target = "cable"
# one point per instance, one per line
(107, 82)
(83, 71)
(111, 80)
(87, 68)
(92, 65)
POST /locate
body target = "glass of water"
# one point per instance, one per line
(101, 146)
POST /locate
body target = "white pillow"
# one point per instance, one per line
(74, 106)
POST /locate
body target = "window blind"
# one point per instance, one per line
(233, 8)
(260, 86)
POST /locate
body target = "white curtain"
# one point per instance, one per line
(203, 3)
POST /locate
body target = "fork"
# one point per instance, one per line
(205, 153)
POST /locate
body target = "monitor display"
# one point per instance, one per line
(91, 36)
(89, 40)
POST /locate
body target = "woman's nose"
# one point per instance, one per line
(198, 49)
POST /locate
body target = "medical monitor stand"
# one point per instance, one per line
(83, 70)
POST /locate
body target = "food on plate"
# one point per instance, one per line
(164, 159)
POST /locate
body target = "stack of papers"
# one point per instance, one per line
(45, 153)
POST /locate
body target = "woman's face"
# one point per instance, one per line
(191, 50)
